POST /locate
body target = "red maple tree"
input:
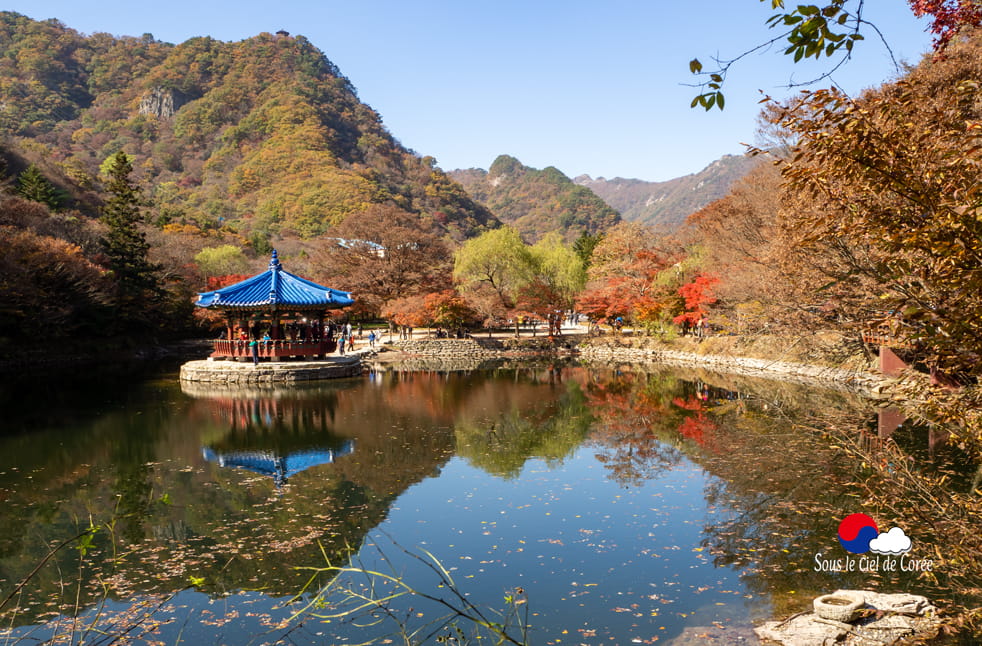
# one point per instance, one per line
(697, 295)
(948, 17)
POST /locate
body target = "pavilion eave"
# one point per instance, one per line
(277, 307)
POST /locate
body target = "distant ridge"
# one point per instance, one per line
(537, 202)
(667, 204)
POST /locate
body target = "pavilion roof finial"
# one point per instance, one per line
(274, 283)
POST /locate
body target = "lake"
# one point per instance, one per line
(588, 503)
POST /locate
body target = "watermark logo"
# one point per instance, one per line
(858, 534)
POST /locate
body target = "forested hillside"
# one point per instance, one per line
(264, 136)
(136, 173)
(537, 202)
(667, 204)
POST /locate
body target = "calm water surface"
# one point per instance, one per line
(625, 505)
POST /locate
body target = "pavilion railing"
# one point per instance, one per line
(278, 349)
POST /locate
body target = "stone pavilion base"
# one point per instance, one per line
(237, 372)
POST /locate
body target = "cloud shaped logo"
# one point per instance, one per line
(894, 541)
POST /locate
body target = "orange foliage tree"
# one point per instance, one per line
(697, 295)
(49, 290)
(888, 191)
(381, 254)
(623, 277)
(446, 308)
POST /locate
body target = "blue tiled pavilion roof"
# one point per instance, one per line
(275, 287)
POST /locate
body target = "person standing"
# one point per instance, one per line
(371, 339)
(341, 344)
(254, 347)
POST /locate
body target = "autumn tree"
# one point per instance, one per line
(741, 243)
(32, 268)
(891, 180)
(623, 275)
(383, 253)
(408, 311)
(446, 309)
(948, 17)
(697, 296)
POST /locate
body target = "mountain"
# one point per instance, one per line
(264, 136)
(536, 202)
(668, 203)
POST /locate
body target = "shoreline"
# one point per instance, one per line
(647, 350)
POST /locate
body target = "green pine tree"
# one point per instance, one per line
(126, 247)
(32, 185)
(585, 244)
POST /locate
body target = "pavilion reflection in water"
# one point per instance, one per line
(279, 467)
(272, 432)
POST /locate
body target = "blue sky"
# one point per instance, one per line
(588, 87)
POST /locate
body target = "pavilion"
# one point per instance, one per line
(289, 309)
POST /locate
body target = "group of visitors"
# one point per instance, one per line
(405, 332)
(256, 336)
(699, 328)
(555, 321)
(346, 339)
(292, 331)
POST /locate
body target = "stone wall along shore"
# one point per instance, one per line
(234, 372)
(478, 346)
(453, 350)
(865, 383)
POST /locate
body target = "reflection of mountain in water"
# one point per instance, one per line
(280, 467)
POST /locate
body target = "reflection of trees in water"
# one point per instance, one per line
(932, 491)
(787, 464)
(548, 426)
(643, 421)
(787, 487)
(451, 395)
(232, 529)
(276, 409)
(777, 496)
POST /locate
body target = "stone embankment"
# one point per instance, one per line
(453, 351)
(450, 349)
(478, 346)
(475, 352)
(865, 383)
(234, 372)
